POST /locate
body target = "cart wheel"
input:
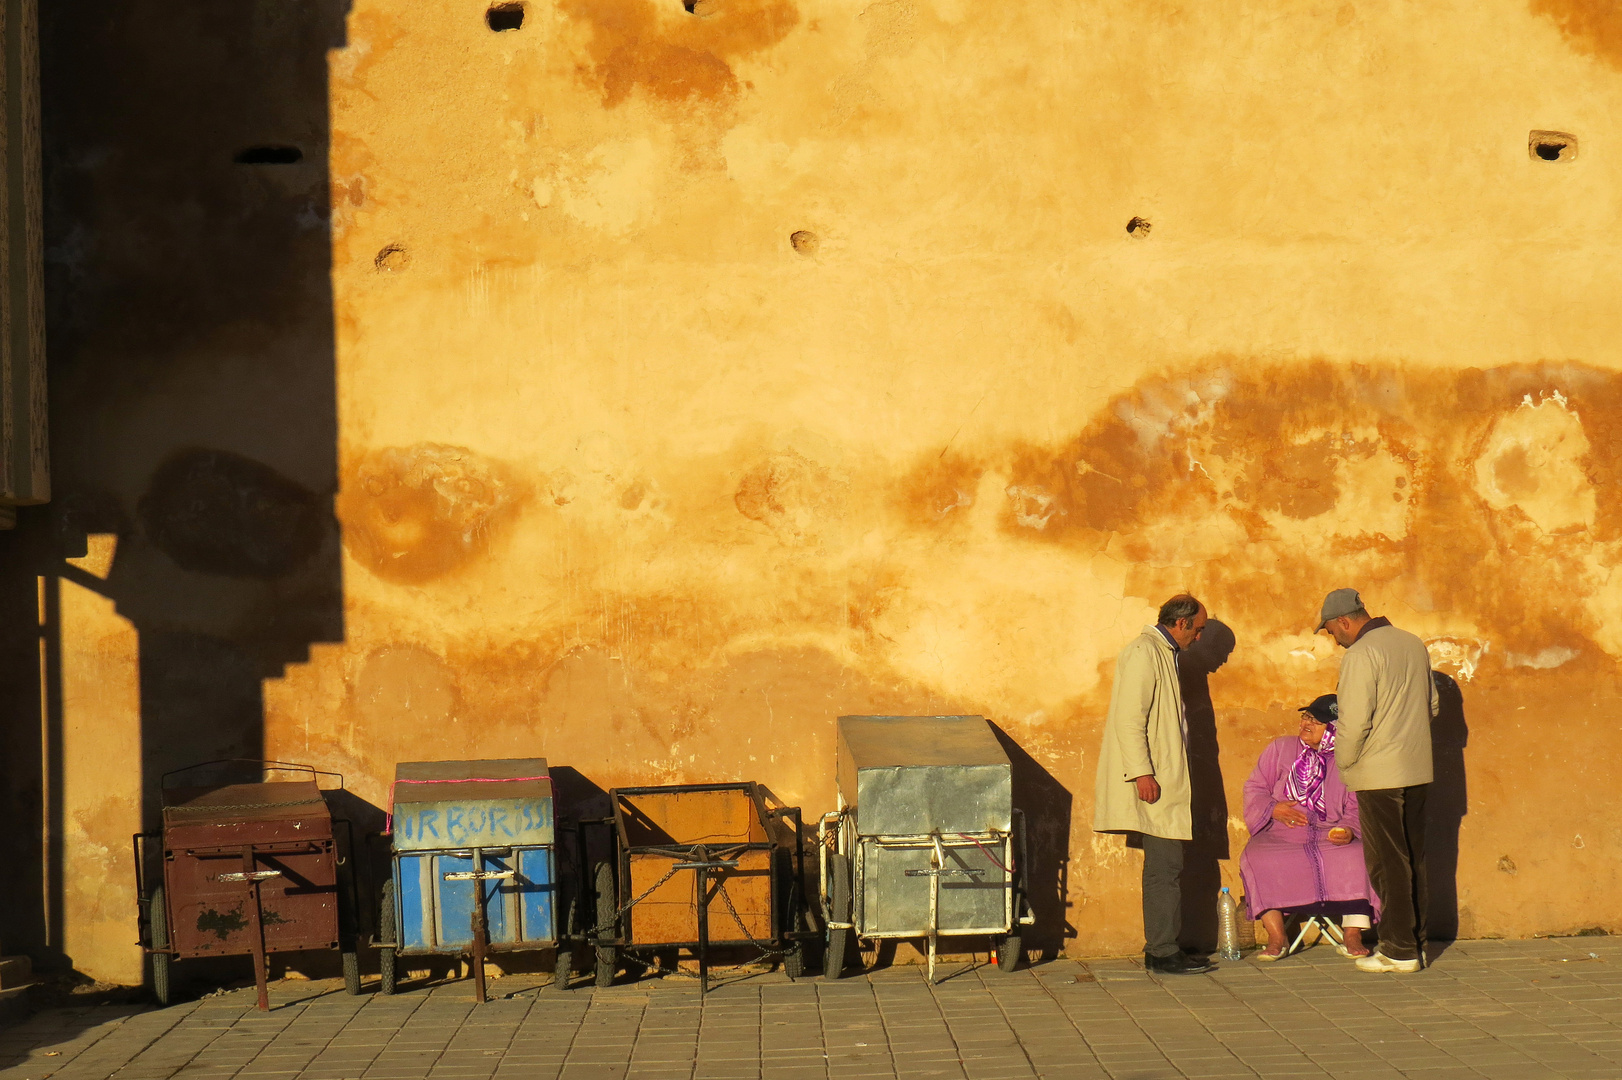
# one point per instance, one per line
(833, 960)
(794, 960)
(1010, 951)
(565, 961)
(158, 931)
(386, 931)
(606, 958)
(351, 971)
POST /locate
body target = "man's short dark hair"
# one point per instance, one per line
(1178, 608)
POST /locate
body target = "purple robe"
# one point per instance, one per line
(1293, 868)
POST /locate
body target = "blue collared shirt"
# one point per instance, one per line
(1176, 650)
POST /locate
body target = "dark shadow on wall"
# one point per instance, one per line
(1202, 858)
(1445, 807)
(193, 412)
(1045, 804)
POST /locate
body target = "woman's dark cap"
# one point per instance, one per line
(1325, 709)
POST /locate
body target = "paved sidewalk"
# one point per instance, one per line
(1501, 1010)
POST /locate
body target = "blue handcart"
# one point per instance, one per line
(474, 866)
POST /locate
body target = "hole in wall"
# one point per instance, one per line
(1139, 227)
(269, 155)
(392, 258)
(804, 241)
(1552, 146)
(504, 17)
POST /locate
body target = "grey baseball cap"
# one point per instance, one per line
(1338, 603)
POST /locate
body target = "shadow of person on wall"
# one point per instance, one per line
(1203, 856)
(189, 314)
(1445, 807)
(1045, 804)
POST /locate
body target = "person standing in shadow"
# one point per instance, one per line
(1143, 786)
(1208, 798)
(1445, 809)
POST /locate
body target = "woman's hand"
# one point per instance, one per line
(1340, 835)
(1289, 814)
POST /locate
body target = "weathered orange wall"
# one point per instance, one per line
(629, 479)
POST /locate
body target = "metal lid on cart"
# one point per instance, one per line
(496, 802)
(917, 774)
(276, 800)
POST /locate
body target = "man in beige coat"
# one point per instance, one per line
(1383, 748)
(1143, 786)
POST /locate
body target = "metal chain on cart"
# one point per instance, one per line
(766, 951)
(620, 914)
(764, 947)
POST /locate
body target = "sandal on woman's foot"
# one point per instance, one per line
(1267, 957)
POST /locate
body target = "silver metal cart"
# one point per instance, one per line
(924, 843)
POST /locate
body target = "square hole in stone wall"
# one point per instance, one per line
(1551, 146)
(506, 16)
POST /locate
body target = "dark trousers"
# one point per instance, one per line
(1394, 851)
(1162, 895)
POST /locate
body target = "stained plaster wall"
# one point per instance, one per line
(627, 478)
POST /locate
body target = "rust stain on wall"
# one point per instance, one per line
(414, 513)
(677, 53)
(1480, 491)
(798, 499)
(1591, 26)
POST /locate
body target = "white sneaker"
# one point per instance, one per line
(1378, 961)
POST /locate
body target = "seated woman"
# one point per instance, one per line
(1305, 853)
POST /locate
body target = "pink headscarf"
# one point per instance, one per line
(1304, 783)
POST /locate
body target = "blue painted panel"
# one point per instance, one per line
(413, 886)
(436, 915)
(455, 922)
(536, 890)
(469, 823)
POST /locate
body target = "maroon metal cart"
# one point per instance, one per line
(248, 869)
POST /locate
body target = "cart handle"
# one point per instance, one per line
(480, 875)
(720, 864)
(266, 764)
(250, 875)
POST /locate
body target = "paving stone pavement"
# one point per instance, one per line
(1486, 1010)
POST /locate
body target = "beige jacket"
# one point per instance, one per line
(1387, 700)
(1146, 733)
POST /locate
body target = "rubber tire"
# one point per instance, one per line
(794, 960)
(158, 931)
(833, 960)
(1010, 951)
(386, 931)
(607, 955)
(351, 971)
(564, 967)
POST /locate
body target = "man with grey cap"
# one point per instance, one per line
(1383, 747)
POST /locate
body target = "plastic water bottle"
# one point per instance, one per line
(1228, 926)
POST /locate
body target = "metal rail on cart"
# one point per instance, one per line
(702, 860)
(847, 841)
(250, 877)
